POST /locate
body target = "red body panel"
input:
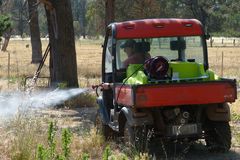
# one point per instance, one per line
(125, 95)
(158, 28)
(176, 94)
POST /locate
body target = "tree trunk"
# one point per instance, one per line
(109, 12)
(34, 31)
(63, 65)
(7, 36)
(5, 44)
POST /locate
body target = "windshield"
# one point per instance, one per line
(136, 51)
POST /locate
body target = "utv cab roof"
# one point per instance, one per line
(149, 28)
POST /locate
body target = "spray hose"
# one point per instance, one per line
(37, 73)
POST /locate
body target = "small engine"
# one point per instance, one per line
(176, 116)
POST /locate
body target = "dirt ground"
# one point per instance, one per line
(82, 119)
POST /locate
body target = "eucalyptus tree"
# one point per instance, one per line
(34, 31)
(63, 65)
(79, 9)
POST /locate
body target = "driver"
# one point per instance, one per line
(135, 56)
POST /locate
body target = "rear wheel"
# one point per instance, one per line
(218, 136)
(135, 137)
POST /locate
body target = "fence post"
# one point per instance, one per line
(211, 41)
(8, 68)
(222, 65)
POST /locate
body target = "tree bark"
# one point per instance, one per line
(7, 35)
(34, 31)
(5, 44)
(63, 65)
(109, 12)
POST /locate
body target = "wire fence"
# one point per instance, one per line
(224, 42)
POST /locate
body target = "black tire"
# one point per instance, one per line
(218, 136)
(102, 128)
(135, 137)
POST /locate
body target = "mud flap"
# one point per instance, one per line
(218, 112)
(103, 111)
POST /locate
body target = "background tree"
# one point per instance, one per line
(144, 9)
(19, 15)
(5, 30)
(5, 23)
(222, 15)
(79, 11)
(63, 66)
(34, 31)
(95, 18)
(109, 12)
(4, 4)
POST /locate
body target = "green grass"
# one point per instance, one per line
(235, 117)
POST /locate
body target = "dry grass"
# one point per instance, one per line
(231, 61)
(88, 60)
(21, 135)
(235, 107)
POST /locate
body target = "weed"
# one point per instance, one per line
(107, 153)
(235, 116)
(66, 141)
(62, 85)
(51, 141)
(41, 153)
(85, 156)
(50, 151)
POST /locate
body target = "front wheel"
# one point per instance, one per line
(102, 128)
(218, 136)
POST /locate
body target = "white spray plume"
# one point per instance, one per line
(11, 103)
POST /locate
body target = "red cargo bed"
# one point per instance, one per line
(172, 94)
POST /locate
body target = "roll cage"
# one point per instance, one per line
(148, 29)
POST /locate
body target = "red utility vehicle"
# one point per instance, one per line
(174, 94)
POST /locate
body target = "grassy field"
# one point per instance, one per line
(19, 58)
(21, 135)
